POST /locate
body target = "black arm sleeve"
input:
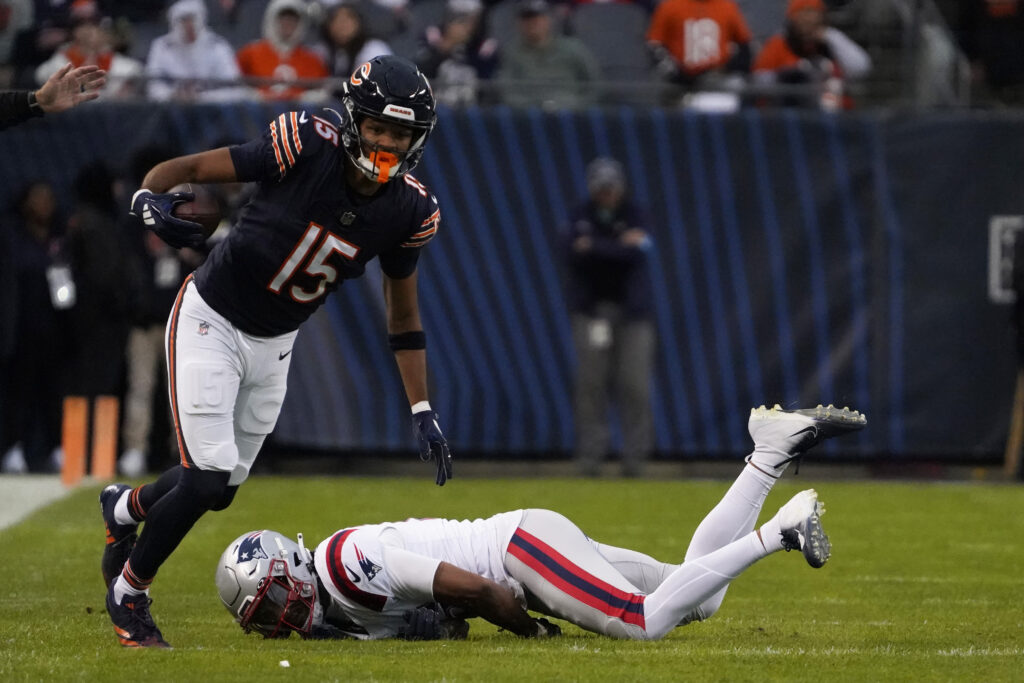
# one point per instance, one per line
(14, 108)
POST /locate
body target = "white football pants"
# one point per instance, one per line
(226, 387)
(626, 594)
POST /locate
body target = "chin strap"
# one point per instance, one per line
(306, 555)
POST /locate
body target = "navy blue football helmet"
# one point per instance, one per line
(392, 89)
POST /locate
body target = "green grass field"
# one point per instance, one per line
(925, 583)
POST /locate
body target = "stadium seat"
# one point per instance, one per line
(764, 18)
(405, 43)
(424, 13)
(249, 23)
(143, 35)
(378, 21)
(615, 32)
(503, 21)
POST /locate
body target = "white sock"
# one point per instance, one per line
(122, 588)
(735, 515)
(771, 460)
(697, 580)
(770, 534)
(121, 515)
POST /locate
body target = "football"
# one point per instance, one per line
(203, 209)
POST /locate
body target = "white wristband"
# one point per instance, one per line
(420, 407)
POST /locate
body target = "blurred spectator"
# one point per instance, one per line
(1018, 290)
(142, 10)
(8, 323)
(91, 44)
(345, 43)
(159, 271)
(36, 44)
(541, 67)
(992, 36)
(43, 292)
(1015, 437)
(609, 301)
(191, 62)
(100, 318)
(695, 42)
(457, 54)
(15, 16)
(280, 56)
(809, 52)
(397, 13)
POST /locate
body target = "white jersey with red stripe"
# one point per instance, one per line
(376, 572)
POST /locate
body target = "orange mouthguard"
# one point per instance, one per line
(383, 161)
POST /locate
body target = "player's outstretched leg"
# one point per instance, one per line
(683, 595)
(120, 537)
(782, 436)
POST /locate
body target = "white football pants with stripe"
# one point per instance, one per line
(226, 387)
(627, 594)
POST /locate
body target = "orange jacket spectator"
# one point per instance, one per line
(809, 51)
(701, 35)
(280, 55)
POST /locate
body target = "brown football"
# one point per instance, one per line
(203, 210)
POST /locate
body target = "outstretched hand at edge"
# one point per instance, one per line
(69, 87)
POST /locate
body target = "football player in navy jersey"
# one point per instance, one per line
(333, 193)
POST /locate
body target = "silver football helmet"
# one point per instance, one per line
(266, 581)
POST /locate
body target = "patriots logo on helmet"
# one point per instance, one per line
(251, 548)
(369, 567)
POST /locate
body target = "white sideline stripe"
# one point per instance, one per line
(23, 494)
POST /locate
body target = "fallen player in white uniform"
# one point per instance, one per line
(421, 578)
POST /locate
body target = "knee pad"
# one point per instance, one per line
(225, 499)
(205, 487)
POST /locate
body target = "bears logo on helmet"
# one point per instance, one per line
(387, 88)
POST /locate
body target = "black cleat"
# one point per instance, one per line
(120, 537)
(133, 623)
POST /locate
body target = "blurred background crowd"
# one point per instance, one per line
(714, 54)
(79, 317)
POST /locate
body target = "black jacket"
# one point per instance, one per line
(14, 108)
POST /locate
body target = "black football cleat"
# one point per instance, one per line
(132, 621)
(120, 537)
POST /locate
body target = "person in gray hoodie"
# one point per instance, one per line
(191, 62)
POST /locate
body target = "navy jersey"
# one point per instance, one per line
(305, 231)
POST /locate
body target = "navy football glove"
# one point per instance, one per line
(424, 623)
(545, 629)
(429, 622)
(155, 210)
(432, 444)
